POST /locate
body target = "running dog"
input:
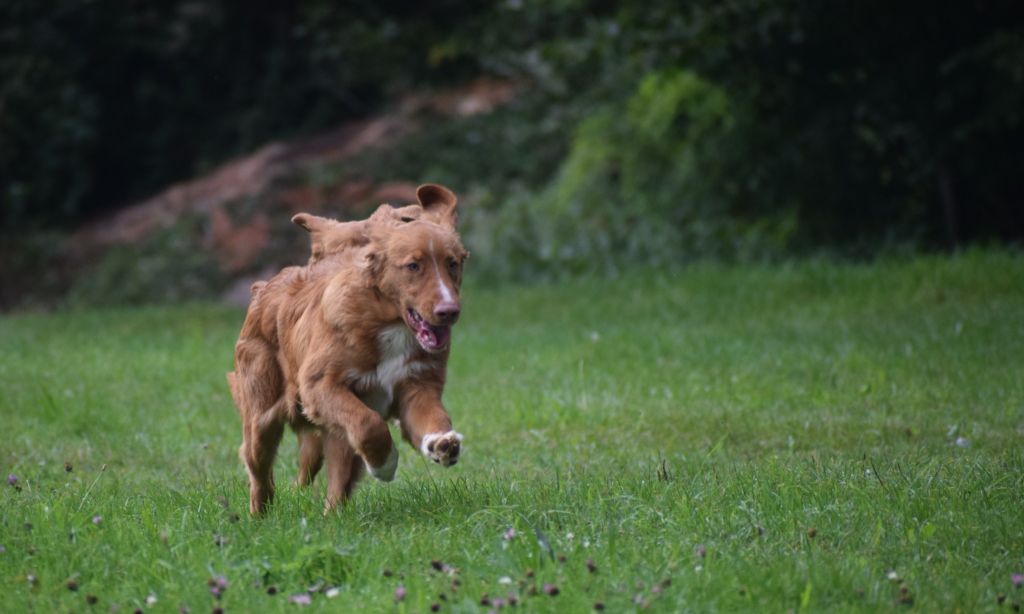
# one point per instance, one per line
(357, 337)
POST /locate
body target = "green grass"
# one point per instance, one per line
(719, 438)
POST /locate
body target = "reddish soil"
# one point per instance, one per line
(238, 241)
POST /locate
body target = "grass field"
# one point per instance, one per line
(811, 436)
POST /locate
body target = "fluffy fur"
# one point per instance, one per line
(357, 337)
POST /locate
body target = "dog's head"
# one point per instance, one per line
(417, 267)
(436, 204)
(412, 258)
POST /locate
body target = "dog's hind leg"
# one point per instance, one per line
(260, 438)
(344, 468)
(258, 390)
(311, 455)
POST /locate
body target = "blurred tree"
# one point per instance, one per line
(102, 101)
(849, 125)
(844, 125)
(877, 118)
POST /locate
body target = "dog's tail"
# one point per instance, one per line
(236, 394)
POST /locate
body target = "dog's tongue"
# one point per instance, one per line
(433, 338)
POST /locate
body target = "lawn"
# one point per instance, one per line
(763, 438)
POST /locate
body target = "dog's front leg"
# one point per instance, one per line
(328, 403)
(426, 425)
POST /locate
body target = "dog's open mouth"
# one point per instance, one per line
(431, 338)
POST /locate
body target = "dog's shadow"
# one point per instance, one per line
(419, 500)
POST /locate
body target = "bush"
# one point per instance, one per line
(171, 266)
(645, 132)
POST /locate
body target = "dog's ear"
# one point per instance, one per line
(439, 204)
(312, 223)
(316, 226)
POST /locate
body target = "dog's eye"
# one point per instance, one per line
(453, 265)
(413, 266)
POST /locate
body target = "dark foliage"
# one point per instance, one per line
(104, 101)
(861, 123)
(879, 117)
(728, 129)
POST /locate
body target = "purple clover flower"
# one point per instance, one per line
(218, 585)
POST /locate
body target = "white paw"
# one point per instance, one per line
(442, 448)
(386, 472)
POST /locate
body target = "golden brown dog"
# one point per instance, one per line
(357, 337)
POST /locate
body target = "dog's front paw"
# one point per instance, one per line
(442, 448)
(386, 472)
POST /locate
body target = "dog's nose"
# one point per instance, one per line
(447, 311)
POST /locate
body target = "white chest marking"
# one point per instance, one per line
(377, 388)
